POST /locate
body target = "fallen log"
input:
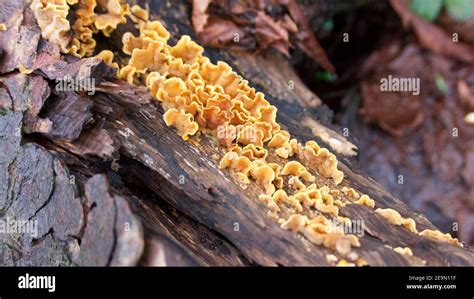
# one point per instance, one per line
(168, 203)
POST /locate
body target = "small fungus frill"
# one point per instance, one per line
(295, 223)
(138, 14)
(264, 175)
(52, 20)
(395, 218)
(182, 121)
(403, 251)
(296, 183)
(114, 16)
(365, 200)
(322, 160)
(296, 169)
(439, 236)
(350, 192)
(321, 231)
(238, 163)
(108, 57)
(345, 263)
(280, 197)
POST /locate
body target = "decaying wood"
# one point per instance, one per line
(111, 184)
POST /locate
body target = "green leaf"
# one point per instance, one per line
(441, 83)
(427, 9)
(324, 76)
(460, 10)
(328, 25)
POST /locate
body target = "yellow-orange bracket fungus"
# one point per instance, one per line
(52, 18)
(395, 218)
(200, 97)
(365, 200)
(437, 235)
(182, 121)
(403, 251)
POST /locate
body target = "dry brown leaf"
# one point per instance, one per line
(466, 97)
(306, 39)
(199, 17)
(272, 33)
(219, 32)
(394, 112)
(219, 24)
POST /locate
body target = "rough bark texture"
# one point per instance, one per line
(111, 184)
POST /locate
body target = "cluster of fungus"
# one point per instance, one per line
(200, 97)
(78, 39)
